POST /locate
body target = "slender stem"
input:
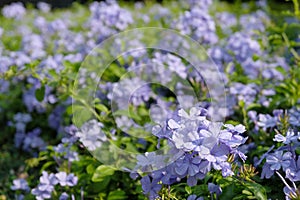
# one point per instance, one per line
(81, 193)
(287, 42)
(283, 180)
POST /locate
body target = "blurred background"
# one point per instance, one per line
(66, 3)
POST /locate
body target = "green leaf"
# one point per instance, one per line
(188, 189)
(117, 195)
(40, 93)
(254, 106)
(90, 169)
(101, 172)
(258, 190)
(81, 115)
(101, 107)
(47, 165)
(229, 192)
(127, 114)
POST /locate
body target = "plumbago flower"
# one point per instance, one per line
(205, 146)
(285, 159)
(91, 134)
(14, 10)
(266, 121)
(197, 23)
(291, 192)
(64, 149)
(241, 46)
(49, 181)
(294, 116)
(20, 184)
(30, 140)
(254, 22)
(45, 187)
(66, 180)
(107, 18)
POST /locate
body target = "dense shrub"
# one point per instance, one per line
(217, 118)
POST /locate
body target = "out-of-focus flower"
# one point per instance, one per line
(44, 7)
(14, 10)
(45, 187)
(64, 196)
(91, 135)
(246, 93)
(214, 189)
(242, 47)
(198, 24)
(150, 187)
(20, 184)
(194, 197)
(289, 138)
(66, 180)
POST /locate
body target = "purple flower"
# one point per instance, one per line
(241, 46)
(4, 86)
(267, 121)
(64, 196)
(226, 21)
(6, 63)
(211, 136)
(214, 189)
(91, 135)
(66, 180)
(55, 118)
(293, 172)
(254, 22)
(246, 93)
(231, 136)
(289, 191)
(46, 186)
(107, 18)
(48, 179)
(150, 161)
(32, 140)
(203, 5)
(198, 24)
(204, 146)
(187, 166)
(20, 184)
(33, 45)
(134, 90)
(294, 115)
(44, 7)
(150, 187)
(278, 160)
(289, 138)
(14, 10)
(266, 171)
(192, 180)
(22, 117)
(66, 152)
(194, 197)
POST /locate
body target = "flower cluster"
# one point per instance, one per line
(48, 182)
(91, 135)
(198, 23)
(64, 149)
(258, 58)
(204, 145)
(284, 159)
(14, 10)
(107, 18)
